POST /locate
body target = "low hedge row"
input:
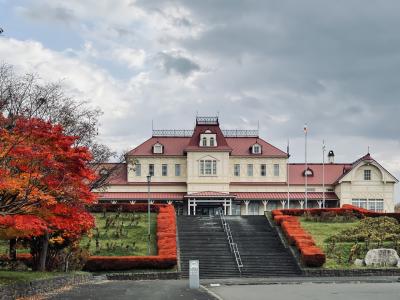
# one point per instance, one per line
(166, 242)
(311, 255)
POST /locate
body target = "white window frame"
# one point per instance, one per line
(276, 170)
(208, 167)
(363, 203)
(158, 149)
(236, 170)
(250, 170)
(151, 170)
(177, 169)
(258, 147)
(367, 175)
(204, 142)
(263, 170)
(212, 142)
(138, 170)
(164, 170)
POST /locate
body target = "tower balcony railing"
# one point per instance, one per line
(189, 133)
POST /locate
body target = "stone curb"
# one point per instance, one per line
(143, 276)
(41, 286)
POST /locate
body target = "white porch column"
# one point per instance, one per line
(132, 202)
(169, 202)
(151, 201)
(301, 204)
(283, 202)
(224, 207)
(246, 202)
(265, 203)
(319, 203)
(230, 207)
(194, 207)
(189, 203)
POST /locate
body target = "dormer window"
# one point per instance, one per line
(208, 139)
(309, 172)
(212, 142)
(256, 149)
(158, 148)
(103, 172)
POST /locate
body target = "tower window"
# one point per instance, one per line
(204, 142)
(367, 174)
(212, 142)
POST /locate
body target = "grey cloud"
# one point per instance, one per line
(178, 64)
(44, 11)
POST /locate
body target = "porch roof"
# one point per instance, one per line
(210, 194)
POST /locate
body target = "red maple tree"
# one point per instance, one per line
(43, 184)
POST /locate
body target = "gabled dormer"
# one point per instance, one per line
(309, 172)
(208, 139)
(256, 149)
(158, 148)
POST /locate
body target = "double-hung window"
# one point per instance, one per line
(236, 170)
(263, 170)
(177, 170)
(138, 170)
(151, 169)
(164, 170)
(276, 169)
(208, 167)
(250, 170)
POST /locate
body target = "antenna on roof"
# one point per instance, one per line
(368, 150)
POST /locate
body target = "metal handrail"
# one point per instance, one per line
(232, 245)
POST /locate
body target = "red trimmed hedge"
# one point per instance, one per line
(311, 255)
(166, 242)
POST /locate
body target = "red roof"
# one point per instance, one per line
(176, 146)
(332, 173)
(140, 196)
(283, 196)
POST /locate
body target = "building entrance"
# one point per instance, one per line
(209, 210)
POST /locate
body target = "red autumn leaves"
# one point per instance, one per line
(42, 180)
(311, 255)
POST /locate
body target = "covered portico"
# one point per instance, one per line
(209, 203)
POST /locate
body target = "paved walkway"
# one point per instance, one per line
(121, 290)
(310, 291)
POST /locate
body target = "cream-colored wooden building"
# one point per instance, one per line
(209, 171)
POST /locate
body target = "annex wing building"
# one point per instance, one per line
(208, 171)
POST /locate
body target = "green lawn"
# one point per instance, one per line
(321, 231)
(127, 235)
(8, 277)
(121, 234)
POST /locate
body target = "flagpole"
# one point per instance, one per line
(306, 171)
(287, 175)
(323, 173)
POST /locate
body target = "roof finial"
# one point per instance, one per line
(368, 150)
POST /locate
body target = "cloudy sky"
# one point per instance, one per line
(332, 64)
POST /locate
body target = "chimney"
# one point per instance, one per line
(331, 157)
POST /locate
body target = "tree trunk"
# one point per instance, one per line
(43, 252)
(13, 249)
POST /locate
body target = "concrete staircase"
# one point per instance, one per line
(261, 250)
(202, 238)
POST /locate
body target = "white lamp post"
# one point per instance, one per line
(148, 214)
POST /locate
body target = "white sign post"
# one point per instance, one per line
(194, 277)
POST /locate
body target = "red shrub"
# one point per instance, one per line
(312, 256)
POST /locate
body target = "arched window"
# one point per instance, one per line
(211, 142)
(204, 143)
